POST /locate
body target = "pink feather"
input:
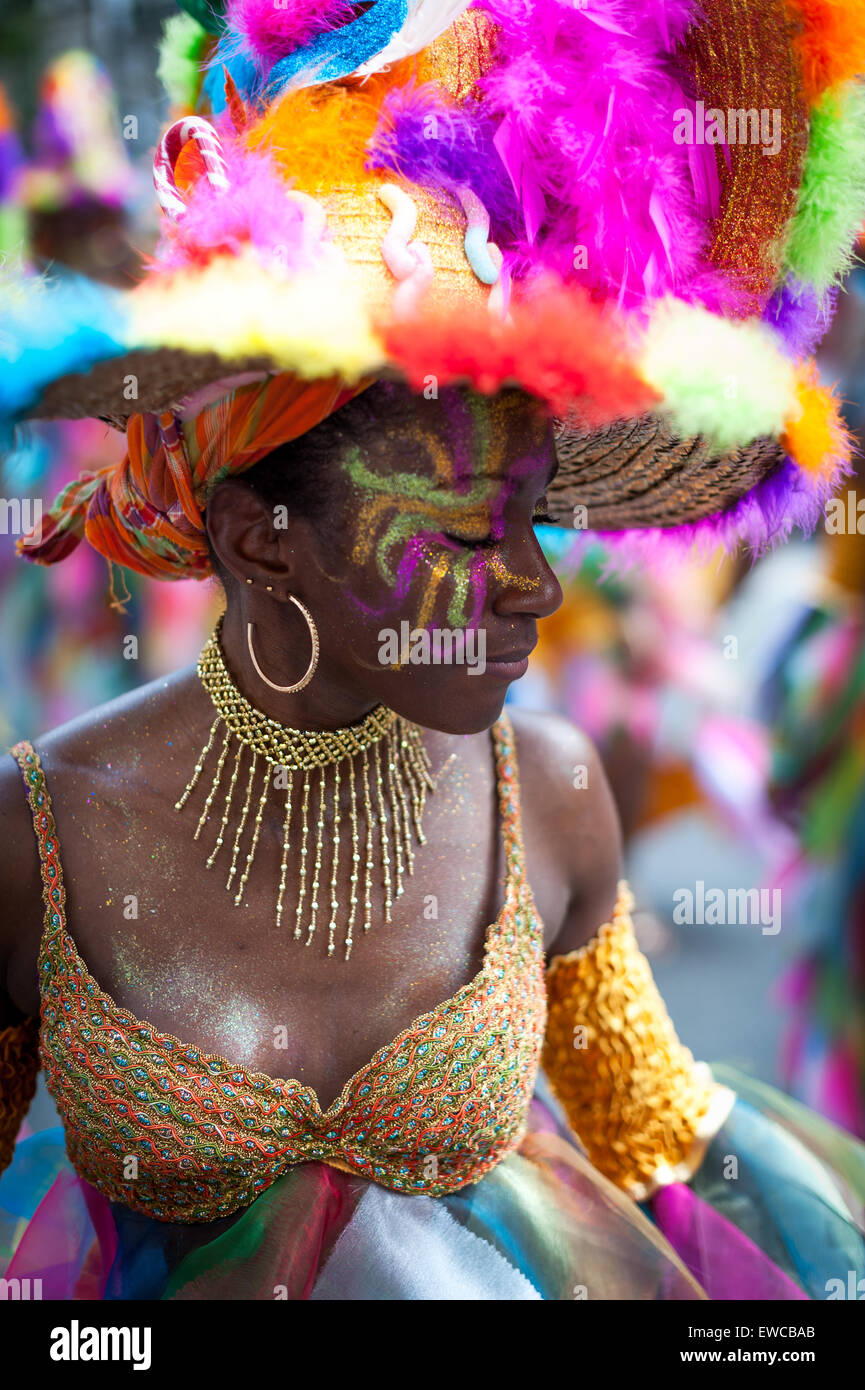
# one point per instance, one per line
(254, 210)
(587, 97)
(270, 31)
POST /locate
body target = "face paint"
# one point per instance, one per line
(427, 517)
(416, 525)
(513, 581)
(439, 570)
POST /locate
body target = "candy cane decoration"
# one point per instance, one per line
(168, 152)
(395, 244)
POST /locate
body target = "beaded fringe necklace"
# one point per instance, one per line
(387, 769)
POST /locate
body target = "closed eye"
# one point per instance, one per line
(475, 542)
(539, 516)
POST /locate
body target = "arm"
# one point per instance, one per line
(642, 1107)
(20, 931)
(19, 1066)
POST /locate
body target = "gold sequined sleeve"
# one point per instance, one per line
(19, 1064)
(641, 1106)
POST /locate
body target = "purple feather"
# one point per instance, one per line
(800, 317)
(443, 147)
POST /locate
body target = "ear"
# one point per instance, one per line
(248, 543)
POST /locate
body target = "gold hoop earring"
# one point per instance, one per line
(313, 660)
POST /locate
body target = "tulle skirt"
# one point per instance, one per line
(774, 1213)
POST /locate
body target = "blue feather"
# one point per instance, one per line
(328, 57)
(244, 73)
(50, 328)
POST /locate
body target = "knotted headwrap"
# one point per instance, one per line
(147, 512)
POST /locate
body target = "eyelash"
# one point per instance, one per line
(470, 545)
(538, 516)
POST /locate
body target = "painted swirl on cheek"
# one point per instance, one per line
(414, 525)
(462, 568)
(439, 571)
(429, 533)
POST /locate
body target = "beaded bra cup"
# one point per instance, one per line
(183, 1135)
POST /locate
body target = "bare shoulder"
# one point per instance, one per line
(103, 749)
(111, 737)
(551, 741)
(570, 822)
(20, 894)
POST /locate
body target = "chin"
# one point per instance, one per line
(450, 699)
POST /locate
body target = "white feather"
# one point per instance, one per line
(426, 20)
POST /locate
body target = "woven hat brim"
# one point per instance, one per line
(630, 474)
(140, 381)
(639, 474)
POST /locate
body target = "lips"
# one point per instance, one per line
(522, 652)
(510, 665)
(509, 658)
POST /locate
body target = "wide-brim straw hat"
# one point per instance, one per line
(638, 212)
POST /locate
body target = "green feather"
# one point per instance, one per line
(830, 209)
(183, 41)
(725, 380)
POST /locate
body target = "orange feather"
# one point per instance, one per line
(831, 44)
(817, 439)
(317, 136)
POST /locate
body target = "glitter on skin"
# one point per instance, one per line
(461, 504)
(514, 581)
(440, 569)
(170, 965)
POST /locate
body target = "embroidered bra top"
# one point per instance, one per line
(430, 1112)
(183, 1135)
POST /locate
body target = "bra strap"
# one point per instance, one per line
(53, 891)
(509, 802)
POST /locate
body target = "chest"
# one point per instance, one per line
(163, 937)
(183, 1135)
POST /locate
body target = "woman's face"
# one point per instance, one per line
(427, 582)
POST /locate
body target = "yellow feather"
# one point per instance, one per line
(315, 324)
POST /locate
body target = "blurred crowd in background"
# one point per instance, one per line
(727, 698)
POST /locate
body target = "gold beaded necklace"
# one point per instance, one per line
(386, 767)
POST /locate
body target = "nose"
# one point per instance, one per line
(526, 584)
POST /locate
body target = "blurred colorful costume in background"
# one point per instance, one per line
(490, 195)
(79, 183)
(71, 205)
(632, 657)
(814, 702)
(12, 224)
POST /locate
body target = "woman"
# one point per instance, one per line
(339, 759)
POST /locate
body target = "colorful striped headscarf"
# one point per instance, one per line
(147, 512)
